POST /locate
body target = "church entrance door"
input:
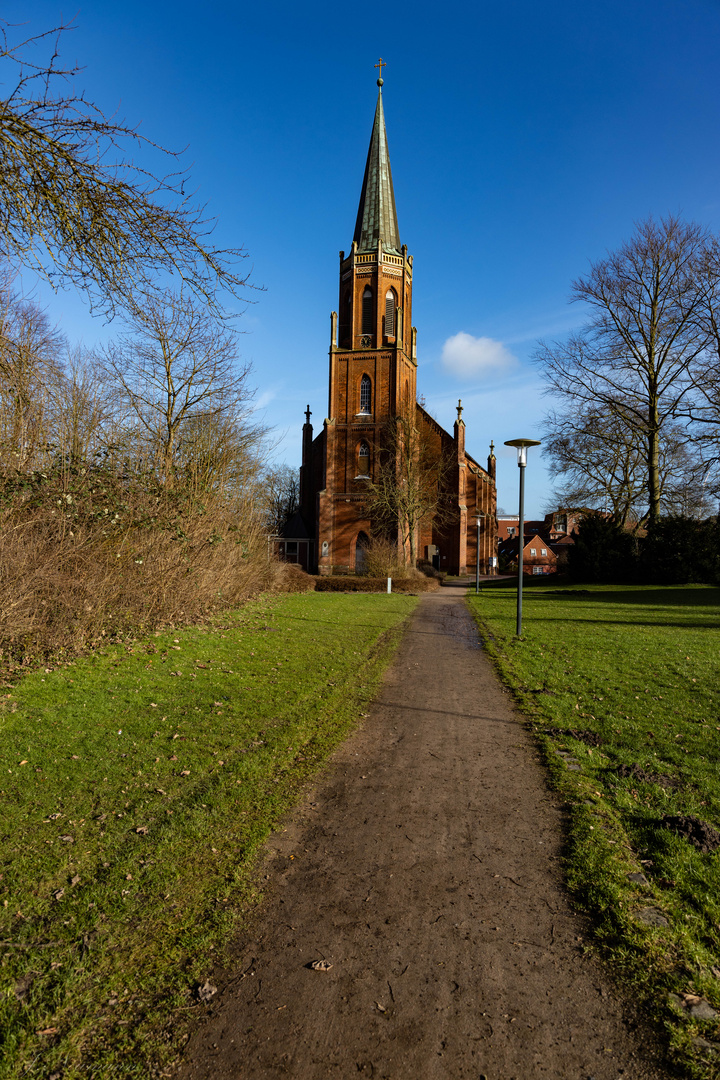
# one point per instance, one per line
(361, 546)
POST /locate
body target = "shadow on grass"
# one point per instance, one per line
(668, 595)
(665, 624)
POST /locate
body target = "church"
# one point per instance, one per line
(372, 385)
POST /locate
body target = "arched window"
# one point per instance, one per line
(363, 459)
(365, 394)
(367, 311)
(390, 313)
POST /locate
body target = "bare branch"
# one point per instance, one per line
(76, 207)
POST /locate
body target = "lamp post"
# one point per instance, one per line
(521, 446)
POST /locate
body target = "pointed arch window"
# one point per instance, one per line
(365, 394)
(390, 306)
(363, 459)
(367, 311)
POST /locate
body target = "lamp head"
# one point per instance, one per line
(521, 445)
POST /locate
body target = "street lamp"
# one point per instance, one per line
(478, 518)
(521, 446)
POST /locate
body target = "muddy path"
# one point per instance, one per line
(424, 868)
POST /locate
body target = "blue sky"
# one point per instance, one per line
(525, 140)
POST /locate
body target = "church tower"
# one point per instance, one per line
(372, 356)
(372, 379)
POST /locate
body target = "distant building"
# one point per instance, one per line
(547, 541)
(538, 555)
(553, 526)
(508, 527)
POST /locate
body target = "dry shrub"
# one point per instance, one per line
(382, 560)
(425, 567)
(351, 583)
(288, 577)
(86, 553)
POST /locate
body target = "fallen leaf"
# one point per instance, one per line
(321, 965)
(142, 830)
(58, 894)
(75, 880)
(185, 772)
(68, 839)
(206, 991)
(22, 762)
(47, 1031)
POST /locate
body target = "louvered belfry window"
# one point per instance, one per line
(346, 318)
(367, 311)
(390, 314)
(365, 394)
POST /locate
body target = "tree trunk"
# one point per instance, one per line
(653, 447)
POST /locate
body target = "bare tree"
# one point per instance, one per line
(282, 497)
(182, 385)
(702, 410)
(408, 485)
(634, 361)
(29, 370)
(596, 458)
(76, 207)
(221, 454)
(79, 409)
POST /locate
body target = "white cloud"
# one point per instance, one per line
(466, 356)
(263, 400)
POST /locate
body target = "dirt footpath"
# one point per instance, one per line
(424, 868)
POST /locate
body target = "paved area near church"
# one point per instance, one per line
(424, 868)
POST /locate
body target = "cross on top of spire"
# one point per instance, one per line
(380, 64)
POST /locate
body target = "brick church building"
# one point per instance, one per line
(372, 381)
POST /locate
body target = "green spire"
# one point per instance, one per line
(377, 218)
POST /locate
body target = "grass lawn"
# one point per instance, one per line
(621, 685)
(137, 787)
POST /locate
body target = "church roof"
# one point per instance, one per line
(377, 217)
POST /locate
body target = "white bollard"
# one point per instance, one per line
(389, 584)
